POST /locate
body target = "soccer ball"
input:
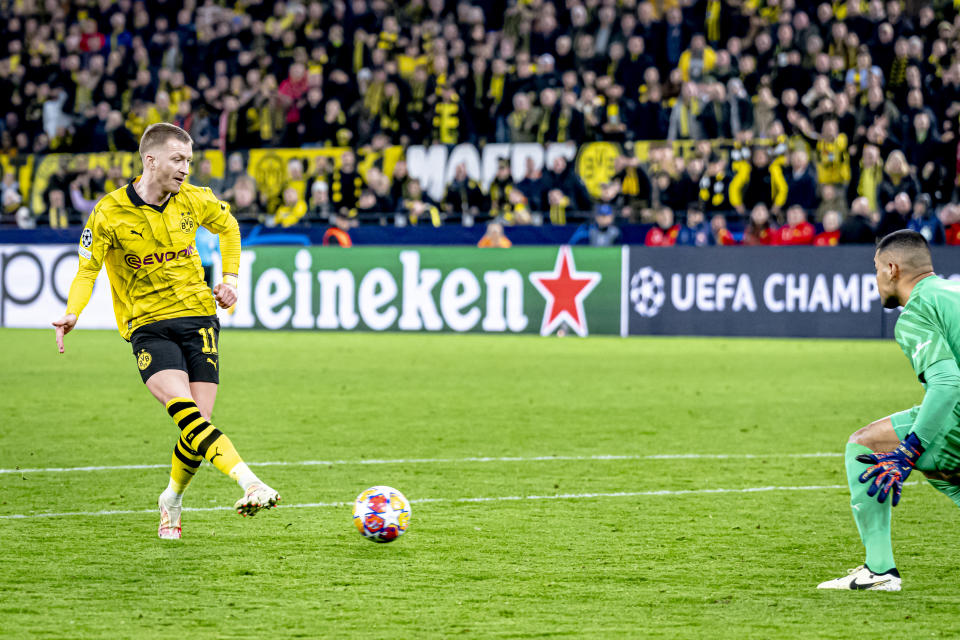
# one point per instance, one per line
(381, 514)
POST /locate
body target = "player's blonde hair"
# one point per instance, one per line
(158, 134)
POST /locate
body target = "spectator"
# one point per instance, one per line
(830, 236)
(867, 177)
(494, 238)
(601, 232)
(319, 207)
(500, 188)
(833, 199)
(801, 182)
(896, 218)
(367, 209)
(651, 117)
(243, 200)
(797, 231)
(236, 169)
(714, 186)
(758, 182)
(741, 107)
(524, 120)
(664, 232)
(634, 186)
(832, 154)
(464, 199)
(861, 75)
(759, 231)
(684, 119)
(695, 232)
(857, 227)
(202, 176)
(698, 61)
(564, 191)
(14, 213)
(716, 119)
(950, 217)
(292, 210)
(59, 214)
(345, 182)
(896, 181)
(721, 235)
(418, 208)
(9, 183)
(291, 93)
(925, 222)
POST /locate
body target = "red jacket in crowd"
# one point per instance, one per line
(794, 234)
(657, 237)
(827, 239)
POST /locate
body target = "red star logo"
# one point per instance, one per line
(564, 289)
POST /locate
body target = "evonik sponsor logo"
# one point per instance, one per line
(136, 262)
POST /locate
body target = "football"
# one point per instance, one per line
(381, 514)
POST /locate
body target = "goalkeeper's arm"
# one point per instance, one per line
(942, 396)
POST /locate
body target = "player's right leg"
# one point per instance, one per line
(173, 389)
(872, 517)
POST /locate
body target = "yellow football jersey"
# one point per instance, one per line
(151, 257)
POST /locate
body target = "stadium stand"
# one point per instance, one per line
(307, 113)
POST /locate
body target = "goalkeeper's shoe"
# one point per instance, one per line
(863, 579)
(258, 496)
(169, 520)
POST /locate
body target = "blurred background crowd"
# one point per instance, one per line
(774, 121)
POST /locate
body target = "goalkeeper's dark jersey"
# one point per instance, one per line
(150, 255)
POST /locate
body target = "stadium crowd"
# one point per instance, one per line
(781, 121)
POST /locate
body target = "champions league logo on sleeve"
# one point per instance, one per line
(86, 239)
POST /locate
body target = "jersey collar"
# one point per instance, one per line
(139, 202)
(916, 288)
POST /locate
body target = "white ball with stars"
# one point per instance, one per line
(647, 292)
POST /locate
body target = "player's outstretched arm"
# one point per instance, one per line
(64, 326)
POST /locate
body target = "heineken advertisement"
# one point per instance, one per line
(521, 290)
(718, 291)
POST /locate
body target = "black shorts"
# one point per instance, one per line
(187, 344)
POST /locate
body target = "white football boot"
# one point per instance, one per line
(862, 579)
(169, 520)
(258, 496)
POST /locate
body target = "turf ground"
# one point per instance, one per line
(540, 507)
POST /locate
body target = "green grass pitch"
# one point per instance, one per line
(676, 559)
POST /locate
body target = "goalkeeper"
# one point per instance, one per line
(144, 233)
(880, 456)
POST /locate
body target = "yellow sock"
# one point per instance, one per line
(184, 464)
(201, 436)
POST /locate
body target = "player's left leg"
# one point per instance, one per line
(257, 495)
(872, 517)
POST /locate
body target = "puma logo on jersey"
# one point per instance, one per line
(134, 231)
(919, 348)
(213, 362)
(216, 452)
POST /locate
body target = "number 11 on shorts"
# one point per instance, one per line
(209, 340)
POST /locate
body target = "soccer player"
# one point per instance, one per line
(880, 456)
(145, 235)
